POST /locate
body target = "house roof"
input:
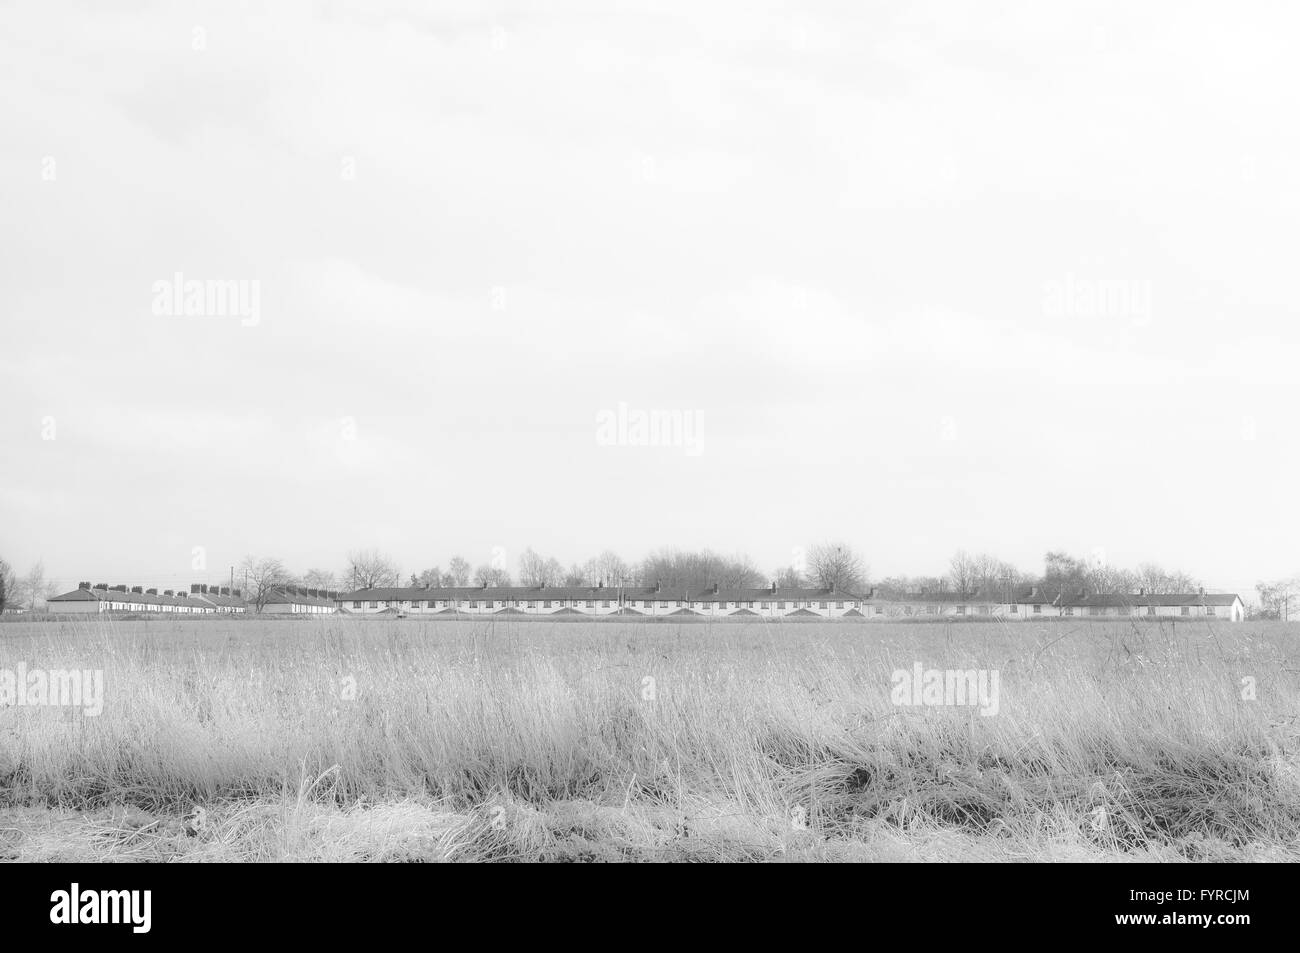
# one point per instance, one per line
(134, 598)
(767, 593)
(76, 595)
(1047, 596)
(586, 593)
(494, 593)
(279, 597)
(1123, 599)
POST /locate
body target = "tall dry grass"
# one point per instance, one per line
(524, 740)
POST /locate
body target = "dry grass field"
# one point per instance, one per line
(371, 740)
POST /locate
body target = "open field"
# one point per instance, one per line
(524, 740)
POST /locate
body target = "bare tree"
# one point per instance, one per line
(536, 570)
(608, 568)
(694, 570)
(789, 577)
(1155, 579)
(32, 591)
(8, 584)
(428, 578)
(371, 569)
(264, 576)
(459, 570)
(1279, 599)
(489, 575)
(320, 579)
(963, 571)
(837, 566)
(739, 572)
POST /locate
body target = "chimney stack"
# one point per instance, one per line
(715, 588)
(773, 587)
(168, 592)
(83, 585)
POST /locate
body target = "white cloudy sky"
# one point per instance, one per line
(929, 275)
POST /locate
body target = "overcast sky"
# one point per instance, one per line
(920, 276)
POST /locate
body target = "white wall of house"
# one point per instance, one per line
(80, 607)
(650, 606)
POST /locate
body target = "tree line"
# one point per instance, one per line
(24, 592)
(833, 564)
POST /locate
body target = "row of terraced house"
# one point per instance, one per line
(774, 601)
(658, 600)
(202, 599)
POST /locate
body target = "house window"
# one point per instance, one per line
(839, 605)
(607, 604)
(374, 605)
(1069, 610)
(1186, 610)
(546, 604)
(1015, 609)
(1094, 610)
(1038, 610)
(356, 605)
(984, 610)
(931, 610)
(825, 605)
(961, 610)
(1151, 610)
(1209, 610)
